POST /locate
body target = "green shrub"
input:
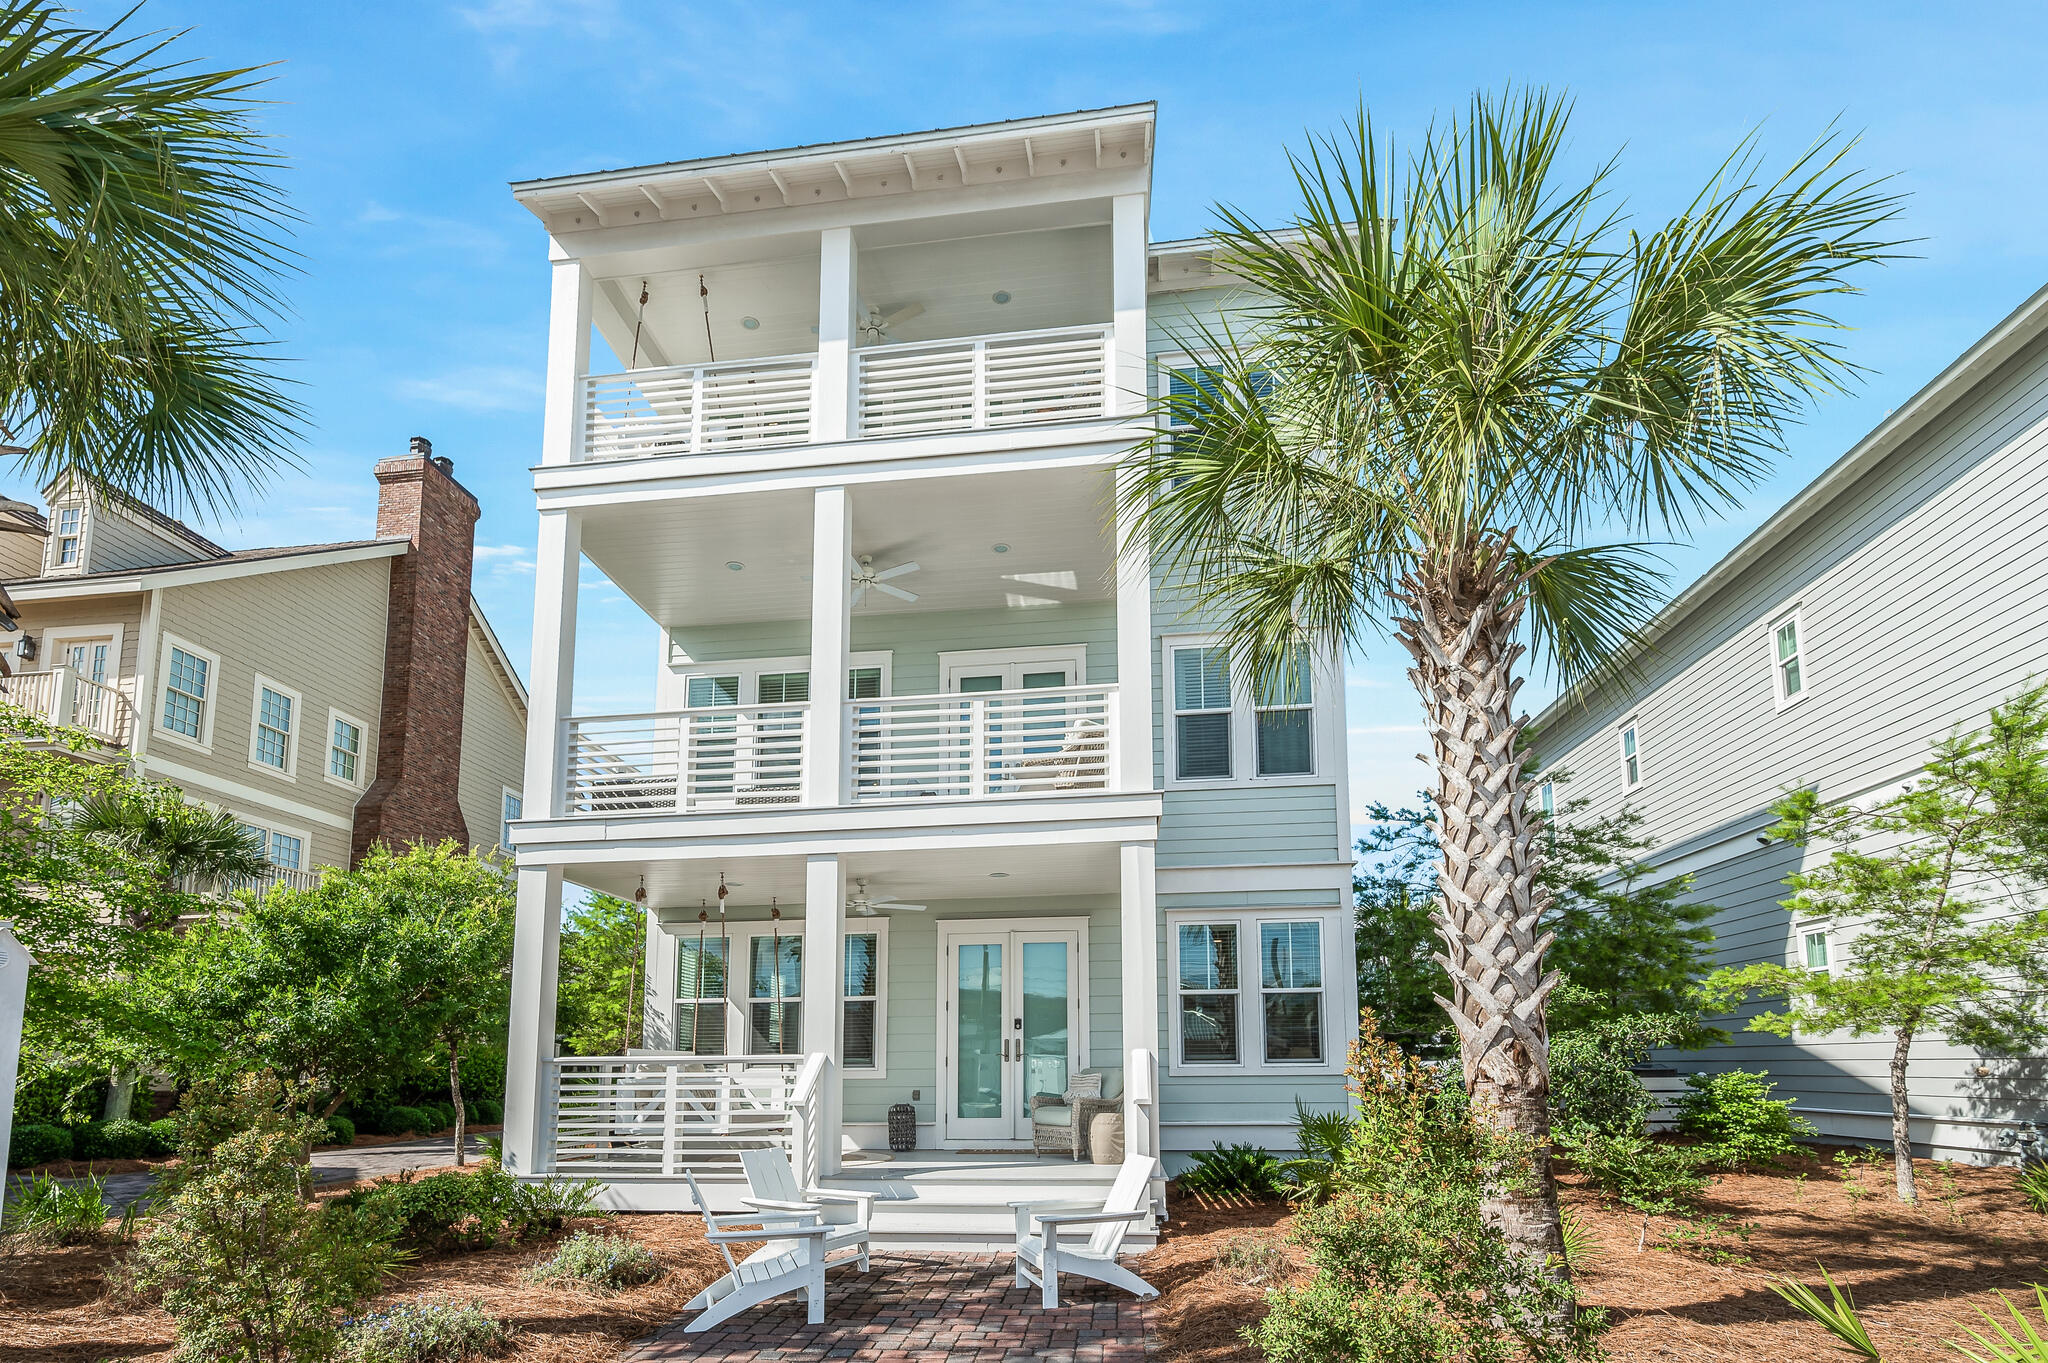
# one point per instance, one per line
(543, 1207)
(247, 1270)
(1323, 1139)
(1656, 1180)
(423, 1332)
(1241, 1169)
(120, 1139)
(443, 1115)
(2032, 1183)
(48, 1211)
(605, 1262)
(1593, 1084)
(398, 1121)
(38, 1143)
(340, 1131)
(163, 1136)
(488, 1112)
(1734, 1114)
(1405, 1266)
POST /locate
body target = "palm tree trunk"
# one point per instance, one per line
(1463, 609)
(1902, 1130)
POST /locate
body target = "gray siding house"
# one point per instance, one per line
(1897, 596)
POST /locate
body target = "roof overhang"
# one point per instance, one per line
(186, 574)
(497, 651)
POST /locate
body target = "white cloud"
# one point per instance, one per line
(477, 388)
(505, 560)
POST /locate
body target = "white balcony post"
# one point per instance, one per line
(557, 559)
(1140, 951)
(824, 943)
(838, 295)
(530, 1043)
(1132, 732)
(1127, 387)
(63, 695)
(561, 436)
(831, 621)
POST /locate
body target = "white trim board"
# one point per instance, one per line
(184, 575)
(1252, 879)
(188, 777)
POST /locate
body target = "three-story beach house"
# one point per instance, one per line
(945, 802)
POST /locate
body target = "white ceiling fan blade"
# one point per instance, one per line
(903, 312)
(896, 592)
(862, 590)
(892, 904)
(898, 571)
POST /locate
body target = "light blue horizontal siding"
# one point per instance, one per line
(1249, 825)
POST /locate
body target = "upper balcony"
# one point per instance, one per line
(62, 697)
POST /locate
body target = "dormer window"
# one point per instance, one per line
(70, 537)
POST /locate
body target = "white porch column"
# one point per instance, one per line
(536, 947)
(824, 947)
(831, 622)
(1140, 949)
(569, 298)
(1134, 655)
(1127, 278)
(838, 296)
(557, 559)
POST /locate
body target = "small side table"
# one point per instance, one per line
(1106, 1136)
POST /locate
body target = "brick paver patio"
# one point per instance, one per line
(917, 1308)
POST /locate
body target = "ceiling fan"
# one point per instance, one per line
(866, 907)
(875, 322)
(865, 576)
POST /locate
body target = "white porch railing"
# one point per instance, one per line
(61, 696)
(661, 1114)
(222, 887)
(1016, 379)
(692, 408)
(684, 760)
(982, 744)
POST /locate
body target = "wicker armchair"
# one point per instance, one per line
(1060, 1122)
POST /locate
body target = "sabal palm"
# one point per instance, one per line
(182, 839)
(140, 237)
(1454, 369)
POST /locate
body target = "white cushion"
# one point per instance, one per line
(1052, 1114)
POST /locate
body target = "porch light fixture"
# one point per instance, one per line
(751, 323)
(999, 548)
(1000, 296)
(734, 565)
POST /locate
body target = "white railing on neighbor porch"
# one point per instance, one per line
(694, 408)
(61, 696)
(982, 744)
(722, 758)
(271, 878)
(661, 1114)
(1016, 379)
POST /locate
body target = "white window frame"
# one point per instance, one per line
(1546, 800)
(1630, 730)
(290, 770)
(362, 757)
(878, 926)
(55, 640)
(676, 685)
(1251, 1022)
(51, 566)
(506, 793)
(676, 1000)
(1823, 928)
(1795, 617)
(1325, 680)
(1017, 661)
(740, 1002)
(207, 707)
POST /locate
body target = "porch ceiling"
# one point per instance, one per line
(671, 557)
(677, 888)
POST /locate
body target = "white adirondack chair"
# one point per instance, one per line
(773, 1184)
(793, 1260)
(1042, 1255)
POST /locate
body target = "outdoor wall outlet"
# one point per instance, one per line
(916, 1095)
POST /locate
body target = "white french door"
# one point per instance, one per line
(1010, 1028)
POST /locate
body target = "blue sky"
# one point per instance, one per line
(422, 306)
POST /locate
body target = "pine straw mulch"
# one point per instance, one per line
(55, 1306)
(1918, 1274)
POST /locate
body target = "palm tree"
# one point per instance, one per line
(184, 840)
(1456, 369)
(139, 240)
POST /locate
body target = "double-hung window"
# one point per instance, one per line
(1201, 713)
(344, 749)
(861, 1036)
(285, 850)
(1286, 719)
(511, 805)
(1815, 942)
(775, 985)
(276, 718)
(70, 536)
(700, 995)
(1788, 678)
(188, 680)
(1631, 755)
(1249, 990)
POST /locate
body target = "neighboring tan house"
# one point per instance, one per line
(327, 695)
(996, 814)
(1894, 598)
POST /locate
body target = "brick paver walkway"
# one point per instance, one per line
(918, 1308)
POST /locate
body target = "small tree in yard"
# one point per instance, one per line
(1950, 936)
(598, 1007)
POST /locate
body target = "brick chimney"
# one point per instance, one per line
(426, 653)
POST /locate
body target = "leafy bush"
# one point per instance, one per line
(1405, 1264)
(38, 1143)
(543, 1207)
(1656, 1180)
(444, 1113)
(340, 1131)
(2032, 1183)
(456, 1210)
(423, 1332)
(400, 1120)
(47, 1211)
(488, 1112)
(248, 1271)
(1323, 1138)
(163, 1136)
(121, 1139)
(1734, 1113)
(1593, 1084)
(1242, 1169)
(605, 1262)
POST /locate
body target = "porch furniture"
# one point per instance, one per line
(792, 1260)
(1106, 1138)
(1042, 1253)
(1081, 763)
(1055, 1121)
(773, 1188)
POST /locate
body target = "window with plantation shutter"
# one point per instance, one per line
(1286, 720)
(861, 993)
(1201, 713)
(700, 995)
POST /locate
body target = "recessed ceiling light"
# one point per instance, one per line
(751, 323)
(1001, 295)
(998, 875)
(734, 565)
(1000, 548)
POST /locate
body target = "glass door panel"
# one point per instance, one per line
(979, 1042)
(1015, 1012)
(1047, 1039)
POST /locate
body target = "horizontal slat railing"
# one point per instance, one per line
(982, 744)
(1008, 380)
(692, 409)
(678, 761)
(659, 1114)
